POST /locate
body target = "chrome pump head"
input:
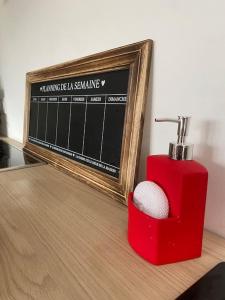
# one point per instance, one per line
(180, 150)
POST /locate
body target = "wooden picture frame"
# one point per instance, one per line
(136, 58)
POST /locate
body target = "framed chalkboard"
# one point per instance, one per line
(85, 117)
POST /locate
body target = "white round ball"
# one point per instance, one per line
(151, 199)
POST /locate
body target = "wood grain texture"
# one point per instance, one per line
(135, 57)
(60, 239)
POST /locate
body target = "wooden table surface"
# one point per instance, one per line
(60, 239)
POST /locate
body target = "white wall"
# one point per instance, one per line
(188, 66)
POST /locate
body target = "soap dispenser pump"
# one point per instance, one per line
(180, 150)
(184, 181)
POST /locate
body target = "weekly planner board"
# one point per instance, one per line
(81, 118)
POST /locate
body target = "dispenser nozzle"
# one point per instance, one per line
(183, 126)
(179, 150)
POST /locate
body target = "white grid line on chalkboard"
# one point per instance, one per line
(85, 119)
(86, 103)
(46, 123)
(37, 121)
(31, 137)
(56, 129)
(68, 141)
(79, 95)
(103, 128)
(93, 103)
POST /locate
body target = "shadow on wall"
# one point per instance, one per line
(215, 204)
(3, 2)
(3, 121)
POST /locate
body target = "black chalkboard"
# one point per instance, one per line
(81, 118)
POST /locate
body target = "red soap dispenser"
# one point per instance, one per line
(179, 237)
